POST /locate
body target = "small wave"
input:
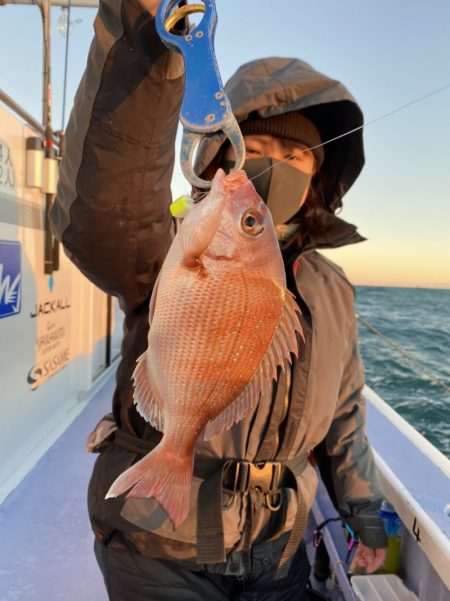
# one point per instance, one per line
(418, 322)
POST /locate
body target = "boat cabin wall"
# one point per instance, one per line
(58, 332)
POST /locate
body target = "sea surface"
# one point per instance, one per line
(417, 322)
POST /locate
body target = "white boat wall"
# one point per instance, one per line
(59, 333)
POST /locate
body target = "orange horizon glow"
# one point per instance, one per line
(370, 264)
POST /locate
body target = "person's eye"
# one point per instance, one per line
(251, 150)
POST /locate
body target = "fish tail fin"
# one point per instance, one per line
(161, 474)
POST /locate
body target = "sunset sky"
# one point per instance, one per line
(387, 53)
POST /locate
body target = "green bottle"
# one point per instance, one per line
(393, 527)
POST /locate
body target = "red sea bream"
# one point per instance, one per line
(221, 321)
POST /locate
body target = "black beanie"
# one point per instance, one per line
(293, 126)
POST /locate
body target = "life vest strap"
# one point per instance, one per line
(267, 478)
(233, 477)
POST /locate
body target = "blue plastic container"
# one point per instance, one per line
(393, 527)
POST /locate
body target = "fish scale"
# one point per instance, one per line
(191, 361)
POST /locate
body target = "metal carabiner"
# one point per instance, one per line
(268, 501)
(205, 110)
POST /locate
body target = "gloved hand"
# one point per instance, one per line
(101, 435)
(368, 558)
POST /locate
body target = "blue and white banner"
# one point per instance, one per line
(10, 278)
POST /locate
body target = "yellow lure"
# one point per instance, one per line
(181, 207)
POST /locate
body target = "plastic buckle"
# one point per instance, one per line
(317, 538)
(263, 476)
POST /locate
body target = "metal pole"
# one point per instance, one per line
(49, 149)
(45, 8)
(66, 61)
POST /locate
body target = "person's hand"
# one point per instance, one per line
(369, 559)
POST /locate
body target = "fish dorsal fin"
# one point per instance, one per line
(279, 354)
(151, 307)
(145, 399)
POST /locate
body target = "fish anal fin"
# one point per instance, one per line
(278, 354)
(147, 403)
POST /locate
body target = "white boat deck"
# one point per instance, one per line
(46, 543)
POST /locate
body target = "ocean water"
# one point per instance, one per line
(417, 321)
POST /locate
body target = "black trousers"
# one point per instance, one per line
(132, 577)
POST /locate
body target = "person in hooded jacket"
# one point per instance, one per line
(254, 484)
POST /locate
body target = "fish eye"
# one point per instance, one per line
(251, 222)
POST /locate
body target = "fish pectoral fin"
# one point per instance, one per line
(200, 226)
(195, 238)
(147, 403)
(279, 354)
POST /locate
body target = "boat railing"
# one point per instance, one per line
(22, 113)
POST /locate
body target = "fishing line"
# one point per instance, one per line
(348, 133)
(198, 196)
(410, 358)
(352, 131)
